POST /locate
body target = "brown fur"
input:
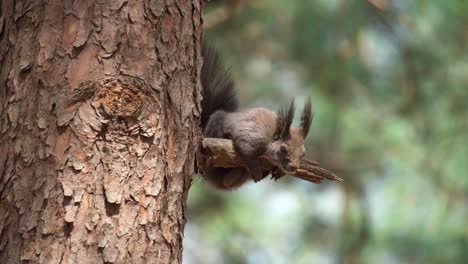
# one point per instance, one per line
(254, 131)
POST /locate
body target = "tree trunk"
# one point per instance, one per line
(99, 108)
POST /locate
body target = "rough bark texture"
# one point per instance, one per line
(99, 106)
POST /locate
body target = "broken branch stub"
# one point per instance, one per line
(218, 152)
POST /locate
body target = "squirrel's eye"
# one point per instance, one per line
(283, 150)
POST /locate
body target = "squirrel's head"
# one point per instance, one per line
(288, 149)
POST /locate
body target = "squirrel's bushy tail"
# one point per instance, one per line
(217, 86)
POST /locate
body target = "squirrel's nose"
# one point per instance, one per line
(294, 166)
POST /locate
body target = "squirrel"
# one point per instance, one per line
(254, 132)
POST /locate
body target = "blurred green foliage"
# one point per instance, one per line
(389, 84)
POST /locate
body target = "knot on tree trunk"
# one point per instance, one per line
(119, 105)
(119, 98)
(118, 117)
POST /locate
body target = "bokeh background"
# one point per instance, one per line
(389, 85)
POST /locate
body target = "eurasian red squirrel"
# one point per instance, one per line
(253, 131)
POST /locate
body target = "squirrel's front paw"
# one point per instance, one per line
(256, 174)
(276, 174)
(255, 170)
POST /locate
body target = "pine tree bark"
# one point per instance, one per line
(99, 107)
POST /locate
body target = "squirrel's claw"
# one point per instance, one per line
(276, 174)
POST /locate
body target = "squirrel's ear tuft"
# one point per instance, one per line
(284, 121)
(306, 118)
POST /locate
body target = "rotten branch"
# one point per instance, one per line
(219, 152)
